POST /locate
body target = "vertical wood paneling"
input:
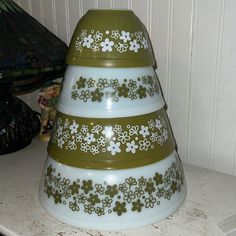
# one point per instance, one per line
(61, 19)
(179, 71)
(105, 4)
(216, 81)
(120, 4)
(48, 14)
(36, 10)
(225, 135)
(204, 75)
(159, 32)
(140, 7)
(75, 13)
(24, 5)
(88, 4)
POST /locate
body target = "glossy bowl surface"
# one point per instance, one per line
(110, 38)
(110, 92)
(113, 199)
(113, 143)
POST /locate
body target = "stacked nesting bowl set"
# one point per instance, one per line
(111, 161)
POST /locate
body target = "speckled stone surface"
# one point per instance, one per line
(211, 199)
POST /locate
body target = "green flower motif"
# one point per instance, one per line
(123, 187)
(160, 192)
(150, 80)
(131, 181)
(132, 95)
(166, 180)
(138, 191)
(111, 190)
(49, 171)
(74, 95)
(144, 79)
(132, 84)
(73, 206)
(96, 95)
(85, 94)
(158, 179)
(123, 91)
(93, 199)
(49, 191)
(74, 188)
(66, 193)
(129, 196)
(173, 186)
(89, 209)
(99, 189)
(137, 206)
(151, 92)
(120, 208)
(114, 83)
(87, 186)
(112, 96)
(81, 82)
(65, 183)
(57, 197)
(150, 187)
(90, 83)
(81, 198)
(102, 83)
(149, 202)
(99, 211)
(142, 181)
(168, 194)
(132, 193)
(106, 202)
(142, 92)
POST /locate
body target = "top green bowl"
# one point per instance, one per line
(110, 38)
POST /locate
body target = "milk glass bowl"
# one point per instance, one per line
(111, 161)
(110, 92)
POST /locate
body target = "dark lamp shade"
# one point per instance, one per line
(30, 56)
(29, 53)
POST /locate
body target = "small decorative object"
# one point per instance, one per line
(30, 55)
(111, 157)
(48, 98)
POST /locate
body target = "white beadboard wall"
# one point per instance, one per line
(195, 47)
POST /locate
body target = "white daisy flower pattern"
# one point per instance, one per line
(89, 138)
(108, 132)
(94, 138)
(134, 46)
(131, 147)
(74, 127)
(88, 41)
(144, 131)
(107, 45)
(125, 36)
(111, 40)
(114, 147)
(60, 142)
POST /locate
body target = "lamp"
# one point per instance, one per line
(30, 55)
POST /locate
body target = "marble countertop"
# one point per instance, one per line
(210, 207)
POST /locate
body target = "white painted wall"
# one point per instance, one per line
(195, 47)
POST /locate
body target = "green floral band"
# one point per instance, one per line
(86, 89)
(132, 195)
(111, 143)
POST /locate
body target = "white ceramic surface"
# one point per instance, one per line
(75, 212)
(72, 101)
